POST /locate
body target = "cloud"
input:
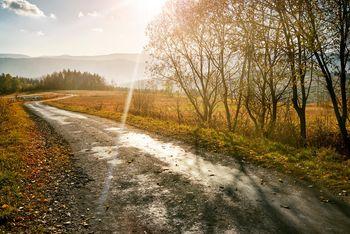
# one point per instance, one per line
(99, 30)
(40, 33)
(81, 14)
(52, 16)
(93, 14)
(29, 32)
(22, 7)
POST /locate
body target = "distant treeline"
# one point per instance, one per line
(10, 84)
(64, 80)
(73, 80)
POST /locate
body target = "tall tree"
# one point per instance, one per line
(328, 34)
(292, 17)
(176, 45)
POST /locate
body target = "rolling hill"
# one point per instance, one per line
(116, 68)
(13, 56)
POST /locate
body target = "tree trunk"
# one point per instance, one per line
(273, 117)
(240, 95)
(302, 119)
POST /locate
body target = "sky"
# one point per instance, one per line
(75, 27)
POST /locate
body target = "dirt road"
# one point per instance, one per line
(137, 182)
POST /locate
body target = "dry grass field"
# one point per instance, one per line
(322, 129)
(321, 165)
(28, 162)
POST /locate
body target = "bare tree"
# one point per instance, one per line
(177, 40)
(266, 80)
(222, 48)
(328, 34)
(292, 17)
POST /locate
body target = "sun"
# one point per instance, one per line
(146, 9)
(154, 3)
(150, 7)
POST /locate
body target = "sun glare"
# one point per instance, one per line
(149, 7)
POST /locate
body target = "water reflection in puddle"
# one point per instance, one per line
(181, 161)
(51, 113)
(105, 152)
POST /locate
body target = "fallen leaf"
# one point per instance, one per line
(285, 206)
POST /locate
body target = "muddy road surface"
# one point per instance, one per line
(130, 181)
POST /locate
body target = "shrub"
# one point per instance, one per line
(328, 154)
(142, 102)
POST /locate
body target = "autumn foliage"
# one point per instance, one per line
(27, 165)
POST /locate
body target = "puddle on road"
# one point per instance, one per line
(63, 112)
(179, 160)
(192, 166)
(117, 130)
(52, 113)
(115, 162)
(104, 152)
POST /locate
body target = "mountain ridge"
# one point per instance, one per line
(115, 68)
(14, 56)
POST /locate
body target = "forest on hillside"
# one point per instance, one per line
(256, 61)
(64, 80)
(10, 84)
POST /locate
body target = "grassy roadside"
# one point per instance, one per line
(323, 166)
(27, 165)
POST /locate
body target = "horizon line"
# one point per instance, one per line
(71, 55)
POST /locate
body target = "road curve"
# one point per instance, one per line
(145, 184)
